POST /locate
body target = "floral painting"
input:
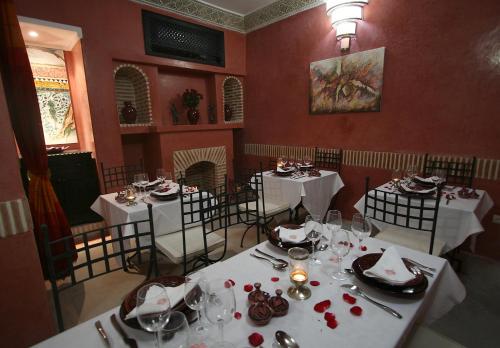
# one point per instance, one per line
(351, 83)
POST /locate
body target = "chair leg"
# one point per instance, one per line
(57, 305)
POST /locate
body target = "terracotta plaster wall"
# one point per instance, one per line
(112, 29)
(24, 306)
(440, 92)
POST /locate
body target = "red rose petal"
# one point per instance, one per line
(237, 315)
(356, 310)
(329, 316)
(255, 339)
(314, 283)
(363, 248)
(349, 299)
(232, 282)
(322, 306)
(332, 324)
(248, 287)
(227, 284)
(275, 279)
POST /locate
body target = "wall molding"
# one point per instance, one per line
(207, 13)
(15, 217)
(486, 168)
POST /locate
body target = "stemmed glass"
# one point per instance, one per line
(438, 176)
(333, 220)
(361, 227)
(411, 171)
(161, 174)
(313, 229)
(153, 308)
(195, 294)
(340, 246)
(141, 180)
(220, 306)
(176, 332)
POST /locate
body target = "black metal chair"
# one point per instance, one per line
(120, 176)
(202, 214)
(411, 220)
(329, 159)
(59, 254)
(459, 173)
(255, 210)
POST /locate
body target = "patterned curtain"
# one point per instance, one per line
(26, 122)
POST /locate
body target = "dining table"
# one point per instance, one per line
(458, 218)
(374, 327)
(314, 192)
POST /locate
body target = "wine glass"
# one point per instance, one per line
(141, 180)
(361, 227)
(195, 296)
(411, 171)
(333, 220)
(438, 176)
(220, 306)
(340, 246)
(176, 333)
(153, 308)
(161, 174)
(313, 229)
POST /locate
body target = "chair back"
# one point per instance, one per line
(330, 159)
(411, 212)
(120, 176)
(112, 241)
(458, 173)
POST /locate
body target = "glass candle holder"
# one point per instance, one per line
(279, 162)
(130, 195)
(299, 273)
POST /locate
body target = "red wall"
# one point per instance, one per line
(440, 93)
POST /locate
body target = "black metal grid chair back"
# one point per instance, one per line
(410, 212)
(59, 254)
(207, 208)
(120, 176)
(457, 172)
(330, 159)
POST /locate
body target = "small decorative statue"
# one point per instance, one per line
(175, 114)
(191, 99)
(129, 113)
(212, 118)
(228, 112)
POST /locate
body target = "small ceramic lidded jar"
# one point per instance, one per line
(260, 313)
(257, 295)
(278, 304)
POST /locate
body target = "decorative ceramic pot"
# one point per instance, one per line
(228, 113)
(129, 113)
(193, 115)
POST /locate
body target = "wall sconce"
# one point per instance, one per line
(344, 14)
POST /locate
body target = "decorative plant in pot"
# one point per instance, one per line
(191, 99)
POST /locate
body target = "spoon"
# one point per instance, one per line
(277, 266)
(285, 340)
(354, 290)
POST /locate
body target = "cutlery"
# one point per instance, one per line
(277, 266)
(285, 340)
(103, 334)
(420, 266)
(272, 257)
(354, 290)
(128, 341)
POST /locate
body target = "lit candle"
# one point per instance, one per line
(299, 276)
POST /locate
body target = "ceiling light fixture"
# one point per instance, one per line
(32, 33)
(344, 14)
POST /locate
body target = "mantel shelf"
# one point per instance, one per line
(178, 128)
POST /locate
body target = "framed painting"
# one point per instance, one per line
(351, 83)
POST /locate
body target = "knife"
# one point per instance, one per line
(103, 334)
(128, 340)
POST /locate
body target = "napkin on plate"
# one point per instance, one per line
(391, 268)
(175, 295)
(173, 188)
(431, 180)
(282, 170)
(408, 188)
(292, 236)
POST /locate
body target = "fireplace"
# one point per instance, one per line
(205, 167)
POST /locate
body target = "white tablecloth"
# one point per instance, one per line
(374, 328)
(457, 220)
(314, 192)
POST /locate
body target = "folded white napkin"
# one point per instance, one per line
(284, 170)
(175, 295)
(173, 188)
(146, 183)
(409, 189)
(391, 268)
(430, 180)
(292, 236)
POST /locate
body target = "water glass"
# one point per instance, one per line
(195, 293)
(439, 176)
(340, 246)
(361, 227)
(141, 180)
(333, 220)
(411, 171)
(153, 308)
(220, 306)
(176, 333)
(314, 230)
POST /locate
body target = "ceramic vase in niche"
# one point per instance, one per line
(228, 112)
(193, 115)
(129, 113)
